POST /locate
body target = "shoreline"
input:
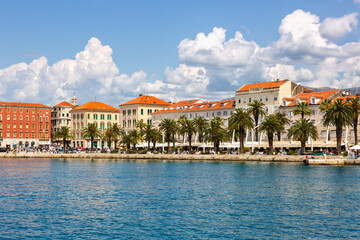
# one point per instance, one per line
(186, 157)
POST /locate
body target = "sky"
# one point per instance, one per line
(111, 51)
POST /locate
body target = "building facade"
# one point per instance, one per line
(99, 113)
(24, 125)
(139, 109)
(270, 93)
(61, 117)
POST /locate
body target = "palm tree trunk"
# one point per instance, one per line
(148, 145)
(189, 139)
(256, 130)
(92, 143)
(173, 142)
(168, 149)
(303, 142)
(154, 145)
(271, 148)
(279, 136)
(241, 136)
(355, 130)
(338, 138)
(64, 143)
(115, 142)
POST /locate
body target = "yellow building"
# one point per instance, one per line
(139, 109)
(92, 112)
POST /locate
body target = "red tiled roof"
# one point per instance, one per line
(307, 96)
(183, 107)
(144, 99)
(95, 106)
(264, 85)
(64, 104)
(19, 104)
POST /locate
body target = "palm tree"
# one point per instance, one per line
(239, 121)
(270, 126)
(340, 115)
(201, 124)
(141, 126)
(107, 136)
(323, 107)
(187, 127)
(169, 128)
(257, 109)
(64, 133)
(91, 131)
(128, 140)
(283, 120)
(148, 132)
(301, 130)
(355, 109)
(155, 137)
(117, 131)
(135, 136)
(302, 108)
(216, 133)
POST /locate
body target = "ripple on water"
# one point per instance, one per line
(76, 199)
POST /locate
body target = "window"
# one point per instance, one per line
(88, 115)
(239, 100)
(21, 117)
(14, 117)
(14, 125)
(8, 125)
(14, 134)
(244, 101)
(33, 126)
(254, 98)
(20, 125)
(109, 117)
(134, 111)
(46, 127)
(284, 103)
(213, 114)
(249, 99)
(77, 116)
(142, 111)
(312, 100)
(14, 110)
(32, 135)
(0, 117)
(124, 113)
(266, 98)
(27, 135)
(275, 97)
(8, 117)
(27, 126)
(115, 117)
(8, 134)
(225, 113)
(20, 135)
(218, 113)
(27, 118)
(129, 112)
(207, 114)
(261, 99)
(74, 116)
(47, 119)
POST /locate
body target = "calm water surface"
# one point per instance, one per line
(78, 199)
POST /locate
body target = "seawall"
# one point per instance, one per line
(187, 157)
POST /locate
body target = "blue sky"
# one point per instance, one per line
(144, 37)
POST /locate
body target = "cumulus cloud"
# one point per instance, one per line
(211, 67)
(336, 28)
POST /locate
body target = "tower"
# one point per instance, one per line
(74, 101)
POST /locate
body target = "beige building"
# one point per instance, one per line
(61, 117)
(92, 112)
(139, 109)
(196, 108)
(270, 93)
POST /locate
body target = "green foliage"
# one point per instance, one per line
(301, 130)
(91, 131)
(292, 152)
(247, 149)
(216, 133)
(64, 134)
(239, 121)
(302, 108)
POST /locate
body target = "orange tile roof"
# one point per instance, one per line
(193, 106)
(144, 99)
(95, 106)
(264, 85)
(19, 104)
(64, 104)
(307, 96)
(180, 105)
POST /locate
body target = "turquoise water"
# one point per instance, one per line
(62, 199)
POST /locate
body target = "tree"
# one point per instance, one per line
(239, 121)
(91, 131)
(216, 133)
(302, 108)
(340, 115)
(135, 137)
(187, 127)
(301, 130)
(257, 109)
(201, 124)
(355, 109)
(107, 136)
(283, 121)
(155, 137)
(128, 140)
(117, 132)
(65, 134)
(270, 126)
(141, 126)
(323, 107)
(169, 128)
(148, 132)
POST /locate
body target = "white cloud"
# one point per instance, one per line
(357, 1)
(211, 67)
(336, 28)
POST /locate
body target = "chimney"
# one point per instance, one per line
(140, 94)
